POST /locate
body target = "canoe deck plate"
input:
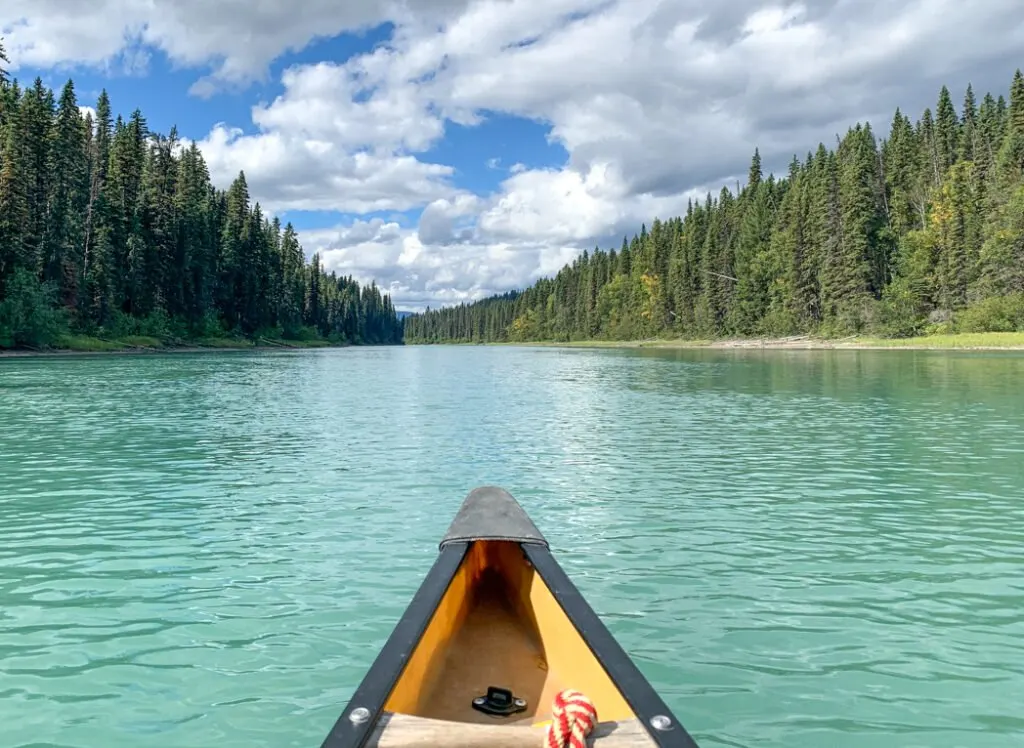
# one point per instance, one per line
(491, 513)
(500, 702)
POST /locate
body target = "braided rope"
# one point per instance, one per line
(573, 716)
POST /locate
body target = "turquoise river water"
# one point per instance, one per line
(798, 549)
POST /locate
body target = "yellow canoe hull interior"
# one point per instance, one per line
(495, 632)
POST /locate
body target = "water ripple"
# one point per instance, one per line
(797, 548)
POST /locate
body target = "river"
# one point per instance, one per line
(798, 548)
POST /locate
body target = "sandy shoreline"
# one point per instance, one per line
(959, 342)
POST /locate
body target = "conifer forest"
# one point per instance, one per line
(919, 232)
(110, 230)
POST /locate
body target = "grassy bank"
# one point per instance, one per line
(957, 341)
(149, 344)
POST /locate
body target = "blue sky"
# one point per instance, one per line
(452, 149)
(480, 153)
(162, 93)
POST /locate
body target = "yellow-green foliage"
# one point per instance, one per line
(961, 340)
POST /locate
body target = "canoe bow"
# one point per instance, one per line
(494, 631)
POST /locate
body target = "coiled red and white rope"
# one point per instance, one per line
(573, 716)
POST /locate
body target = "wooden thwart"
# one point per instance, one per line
(406, 731)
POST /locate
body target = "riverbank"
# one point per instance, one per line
(84, 345)
(982, 341)
(986, 341)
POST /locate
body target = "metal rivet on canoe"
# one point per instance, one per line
(520, 702)
(479, 700)
(359, 715)
(660, 722)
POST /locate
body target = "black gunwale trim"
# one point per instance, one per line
(380, 679)
(635, 688)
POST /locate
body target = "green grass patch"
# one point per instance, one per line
(309, 343)
(85, 343)
(953, 341)
(222, 343)
(292, 343)
(140, 341)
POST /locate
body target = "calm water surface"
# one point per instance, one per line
(799, 549)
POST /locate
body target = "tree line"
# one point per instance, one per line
(110, 229)
(920, 232)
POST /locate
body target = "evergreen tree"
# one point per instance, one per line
(923, 227)
(107, 228)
